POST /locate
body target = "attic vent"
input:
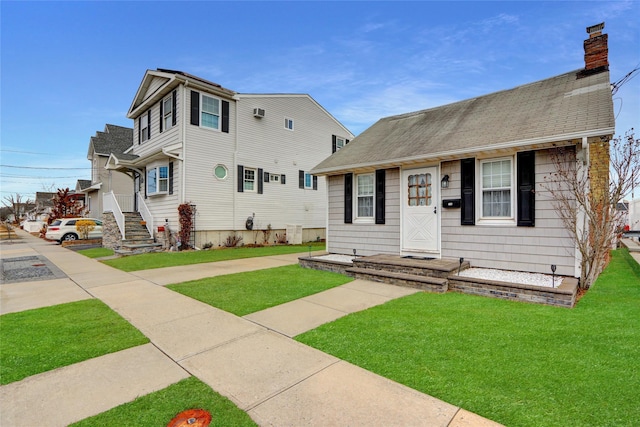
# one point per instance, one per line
(258, 112)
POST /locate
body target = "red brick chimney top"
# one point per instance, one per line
(596, 51)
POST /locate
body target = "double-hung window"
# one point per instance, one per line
(144, 127)
(167, 112)
(249, 179)
(158, 180)
(364, 189)
(308, 180)
(496, 186)
(339, 143)
(210, 112)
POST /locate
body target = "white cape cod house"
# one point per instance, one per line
(232, 156)
(464, 180)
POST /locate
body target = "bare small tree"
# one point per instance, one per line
(586, 199)
(16, 206)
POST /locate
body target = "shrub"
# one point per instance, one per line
(84, 227)
(233, 240)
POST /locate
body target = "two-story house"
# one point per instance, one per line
(114, 139)
(232, 156)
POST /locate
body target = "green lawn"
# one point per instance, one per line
(516, 363)
(39, 340)
(245, 293)
(170, 259)
(96, 252)
(157, 409)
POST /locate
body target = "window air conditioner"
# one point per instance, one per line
(258, 112)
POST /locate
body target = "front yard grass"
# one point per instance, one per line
(158, 408)
(245, 293)
(39, 340)
(96, 252)
(171, 259)
(516, 363)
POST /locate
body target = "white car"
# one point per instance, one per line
(64, 229)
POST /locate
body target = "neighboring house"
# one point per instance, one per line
(232, 156)
(114, 139)
(43, 206)
(634, 215)
(465, 180)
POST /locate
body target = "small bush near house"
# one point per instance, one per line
(232, 241)
(208, 245)
(185, 211)
(84, 227)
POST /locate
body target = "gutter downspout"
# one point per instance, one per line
(582, 168)
(183, 180)
(235, 159)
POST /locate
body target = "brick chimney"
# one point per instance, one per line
(596, 51)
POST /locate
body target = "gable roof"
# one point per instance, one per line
(157, 83)
(556, 109)
(114, 139)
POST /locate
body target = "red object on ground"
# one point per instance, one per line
(191, 418)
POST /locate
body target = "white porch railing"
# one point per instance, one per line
(145, 213)
(110, 204)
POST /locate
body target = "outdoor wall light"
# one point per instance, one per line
(553, 275)
(444, 183)
(354, 253)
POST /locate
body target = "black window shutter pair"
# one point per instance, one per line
(525, 190)
(258, 178)
(301, 180)
(195, 112)
(380, 192)
(173, 111)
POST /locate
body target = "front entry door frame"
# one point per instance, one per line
(420, 225)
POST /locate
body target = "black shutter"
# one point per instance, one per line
(283, 179)
(140, 132)
(266, 176)
(149, 124)
(468, 178)
(225, 116)
(348, 198)
(346, 141)
(526, 189)
(195, 108)
(170, 177)
(174, 106)
(260, 181)
(301, 179)
(161, 114)
(315, 182)
(240, 178)
(144, 182)
(380, 193)
(334, 146)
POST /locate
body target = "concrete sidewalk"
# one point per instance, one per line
(251, 360)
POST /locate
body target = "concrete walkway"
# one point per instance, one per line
(251, 360)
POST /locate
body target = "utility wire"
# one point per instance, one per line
(616, 85)
(38, 167)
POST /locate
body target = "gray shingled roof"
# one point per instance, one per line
(557, 108)
(114, 139)
(83, 183)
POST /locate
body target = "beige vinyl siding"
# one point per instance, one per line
(510, 247)
(205, 149)
(158, 140)
(165, 206)
(367, 239)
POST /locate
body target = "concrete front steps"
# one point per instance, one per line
(426, 274)
(136, 236)
(441, 275)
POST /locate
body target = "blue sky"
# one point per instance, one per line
(70, 67)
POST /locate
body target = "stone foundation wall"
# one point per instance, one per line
(326, 265)
(563, 296)
(249, 237)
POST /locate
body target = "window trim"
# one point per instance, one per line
(244, 180)
(144, 130)
(202, 112)
(502, 220)
(288, 124)
(226, 172)
(357, 196)
(167, 115)
(157, 180)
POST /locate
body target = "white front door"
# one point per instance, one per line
(419, 189)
